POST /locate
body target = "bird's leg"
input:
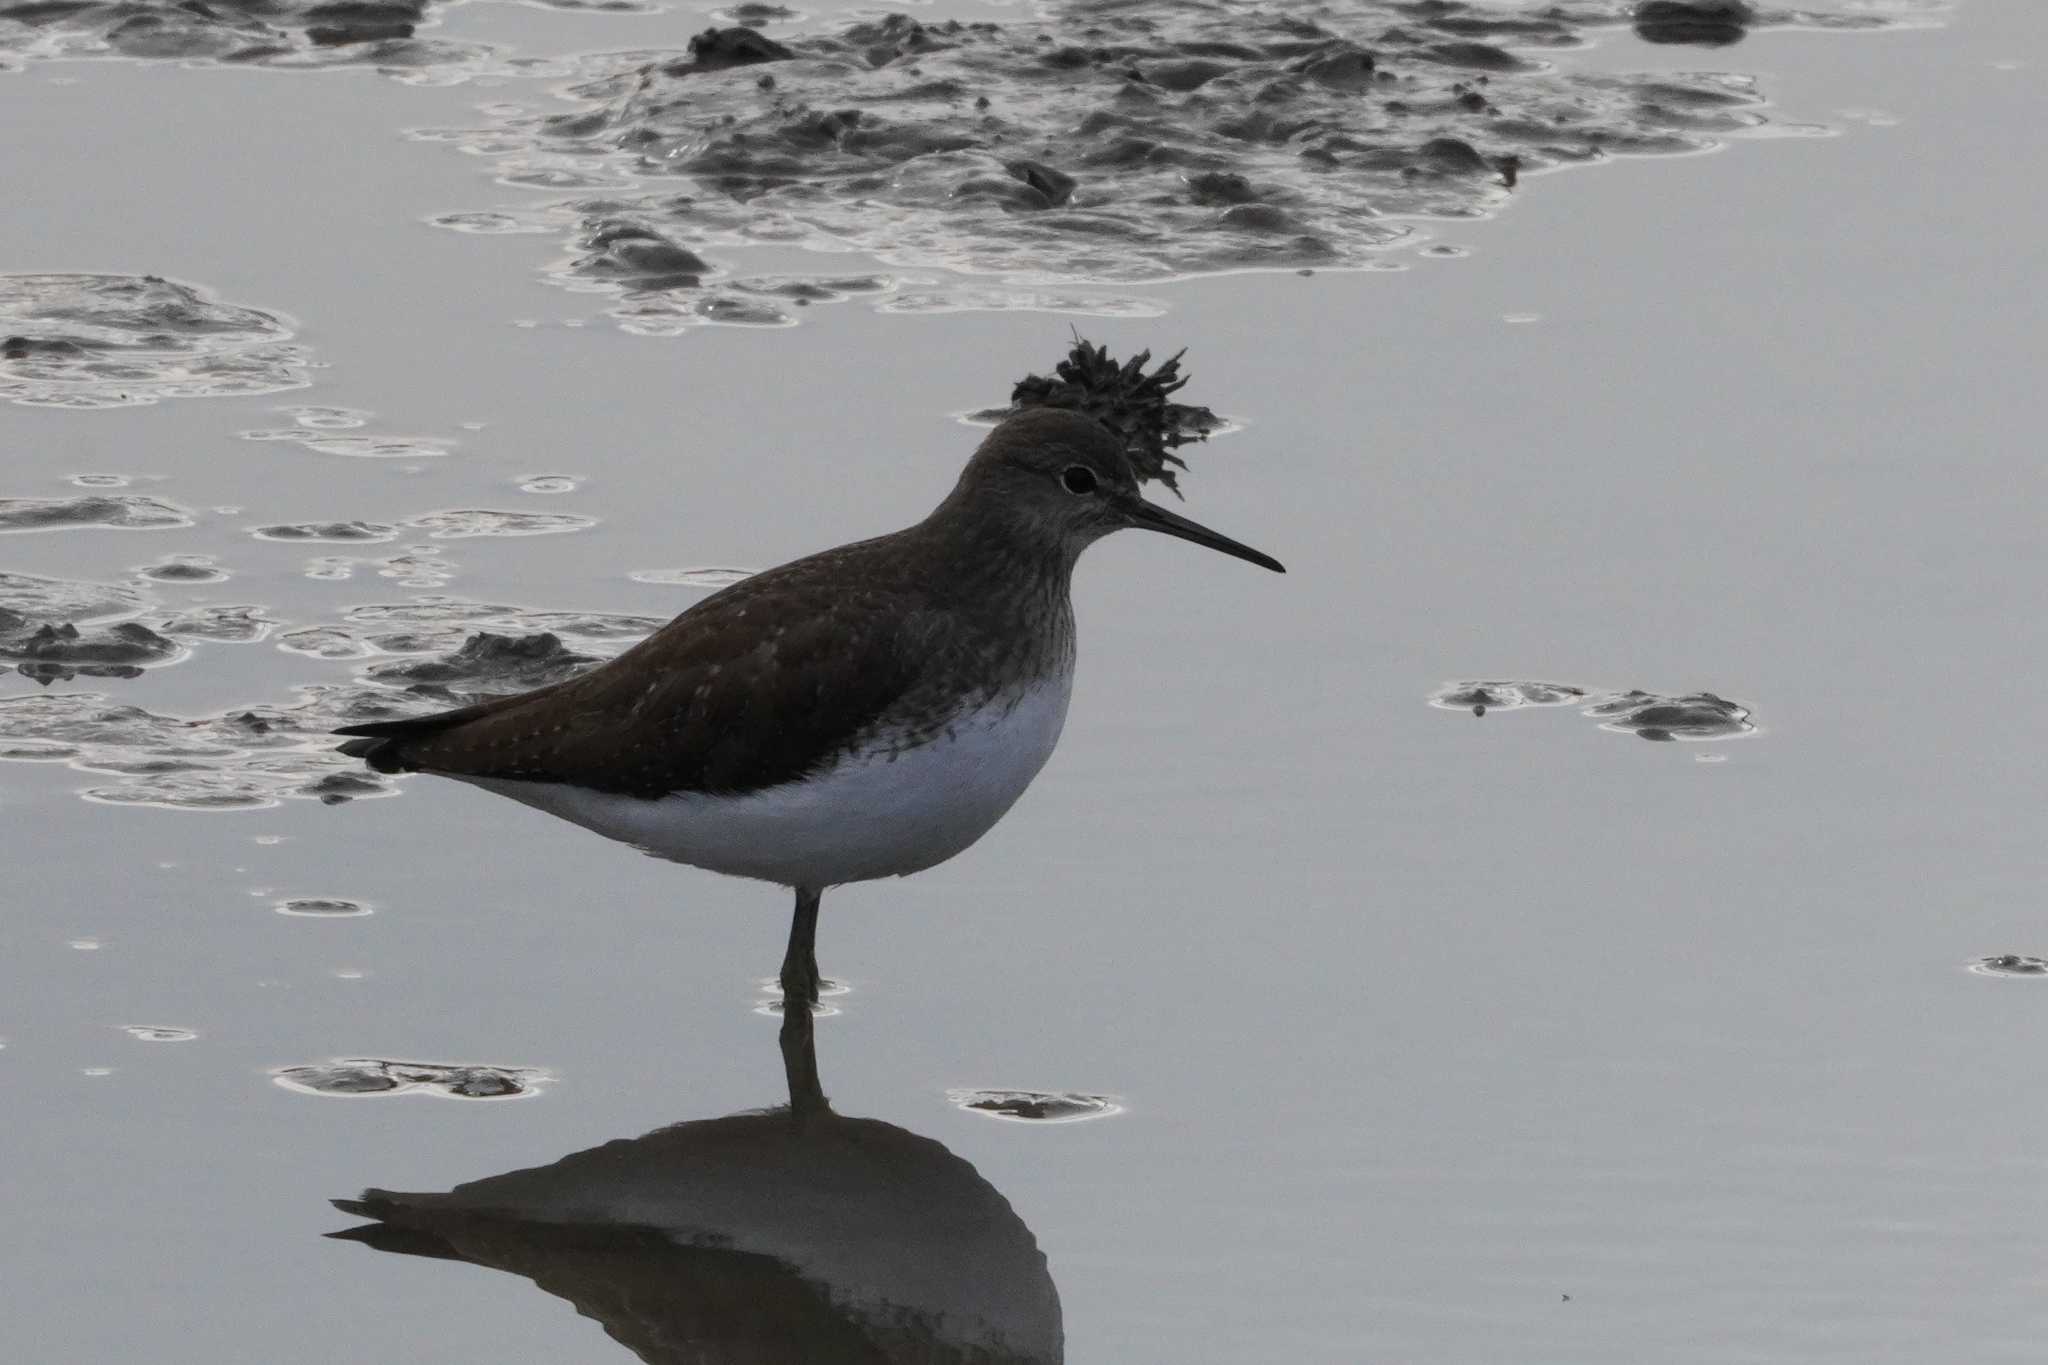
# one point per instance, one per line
(800, 1060)
(800, 963)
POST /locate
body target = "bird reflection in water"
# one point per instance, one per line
(791, 1235)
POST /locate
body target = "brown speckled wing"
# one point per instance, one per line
(734, 695)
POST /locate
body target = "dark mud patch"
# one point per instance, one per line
(294, 34)
(420, 566)
(2010, 964)
(183, 569)
(336, 431)
(1699, 23)
(35, 598)
(358, 1076)
(321, 907)
(99, 341)
(49, 630)
(123, 512)
(159, 1033)
(1035, 1106)
(1647, 715)
(462, 523)
(235, 760)
(1481, 697)
(58, 653)
(248, 757)
(337, 532)
(226, 623)
(325, 642)
(1106, 140)
(661, 283)
(1653, 716)
(498, 662)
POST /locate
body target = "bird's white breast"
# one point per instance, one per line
(881, 811)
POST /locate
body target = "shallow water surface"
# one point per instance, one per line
(1383, 1031)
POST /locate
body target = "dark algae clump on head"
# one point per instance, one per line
(1135, 404)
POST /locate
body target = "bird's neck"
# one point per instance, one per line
(1006, 575)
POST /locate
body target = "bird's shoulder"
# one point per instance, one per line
(760, 684)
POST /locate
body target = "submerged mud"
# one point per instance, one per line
(2010, 964)
(1094, 143)
(281, 33)
(122, 512)
(1647, 715)
(373, 1076)
(101, 341)
(1105, 140)
(1035, 1106)
(411, 657)
(53, 630)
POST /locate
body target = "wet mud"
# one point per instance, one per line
(183, 569)
(1099, 141)
(48, 653)
(51, 630)
(1105, 140)
(98, 341)
(356, 1076)
(120, 512)
(339, 532)
(490, 663)
(1700, 23)
(1034, 1106)
(1647, 715)
(276, 33)
(158, 1033)
(321, 907)
(476, 521)
(2010, 964)
(420, 566)
(227, 623)
(411, 656)
(36, 598)
(322, 430)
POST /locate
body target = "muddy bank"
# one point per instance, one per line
(1647, 715)
(239, 32)
(99, 341)
(410, 656)
(1108, 140)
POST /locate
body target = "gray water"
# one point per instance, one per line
(1435, 1039)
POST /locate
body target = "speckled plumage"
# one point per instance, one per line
(771, 679)
(865, 712)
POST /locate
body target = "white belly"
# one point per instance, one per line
(873, 814)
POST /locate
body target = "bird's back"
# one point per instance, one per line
(763, 683)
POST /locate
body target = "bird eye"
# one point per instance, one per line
(1078, 478)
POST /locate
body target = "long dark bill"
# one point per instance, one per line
(1152, 517)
